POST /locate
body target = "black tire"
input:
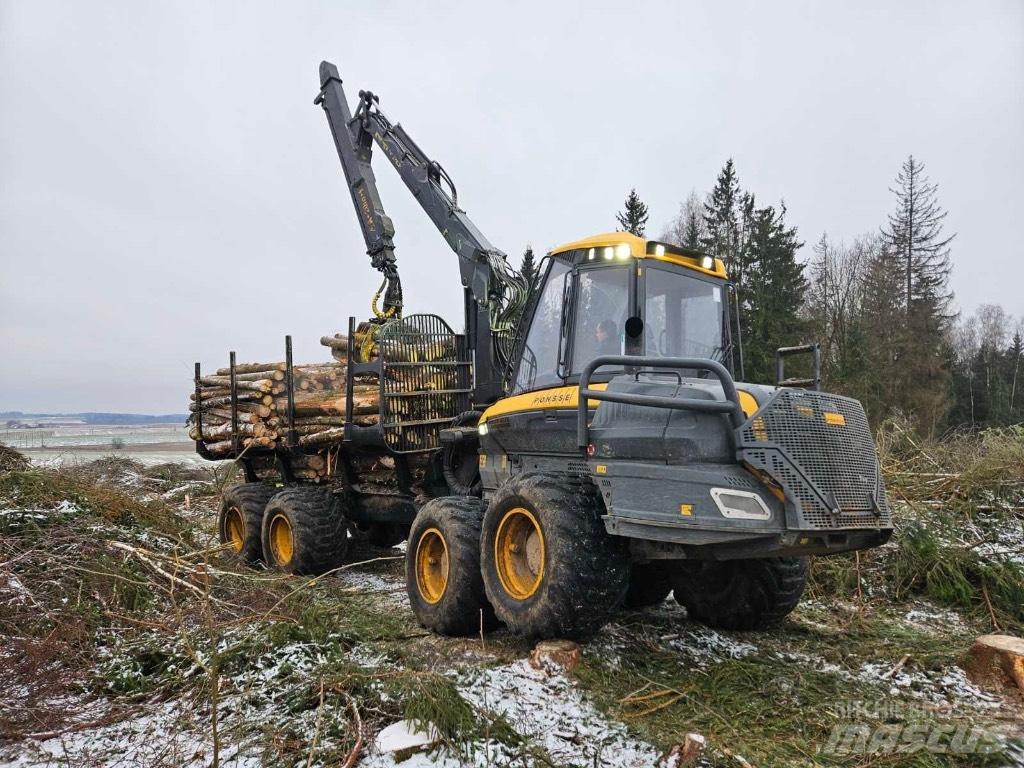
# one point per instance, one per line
(649, 584)
(317, 527)
(453, 523)
(240, 521)
(387, 535)
(740, 594)
(582, 573)
(461, 464)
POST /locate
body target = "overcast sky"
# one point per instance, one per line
(168, 191)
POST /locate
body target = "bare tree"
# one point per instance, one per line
(687, 228)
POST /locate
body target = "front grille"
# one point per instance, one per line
(818, 446)
(426, 381)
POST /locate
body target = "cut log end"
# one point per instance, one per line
(995, 660)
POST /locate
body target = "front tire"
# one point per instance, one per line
(442, 567)
(304, 532)
(740, 594)
(549, 568)
(240, 522)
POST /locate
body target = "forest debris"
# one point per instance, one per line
(12, 460)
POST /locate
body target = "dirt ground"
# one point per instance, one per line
(127, 637)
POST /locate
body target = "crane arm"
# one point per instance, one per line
(355, 149)
(495, 293)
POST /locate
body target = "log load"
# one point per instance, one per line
(414, 395)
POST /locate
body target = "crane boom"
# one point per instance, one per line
(494, 293)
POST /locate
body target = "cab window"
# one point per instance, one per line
(538, 366)
(601, 308)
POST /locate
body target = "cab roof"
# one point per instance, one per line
(639, 248)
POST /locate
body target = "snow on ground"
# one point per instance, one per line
(946, 687)
(389, 587)
(549, 711)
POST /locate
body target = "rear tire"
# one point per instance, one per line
(304, 532)
(740, 594)
(649, 584)
(549, 568)
(240, 522)
(442, 567)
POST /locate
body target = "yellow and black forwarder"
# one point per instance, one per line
(601, 454)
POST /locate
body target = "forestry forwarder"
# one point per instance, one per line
(603, 454)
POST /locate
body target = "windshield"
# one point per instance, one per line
(682, 316)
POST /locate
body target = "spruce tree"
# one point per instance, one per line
(919, 260)
(774, 291)
(633, 218)
(721, 212)
(914, 236)
(528, 269)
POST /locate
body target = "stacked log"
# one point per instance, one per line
(418, 389)
(262, 406)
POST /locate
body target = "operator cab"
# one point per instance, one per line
(618, 294)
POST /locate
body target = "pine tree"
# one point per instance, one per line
(634, 218)
(528, 269)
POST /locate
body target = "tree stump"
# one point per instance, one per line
(687, 752)
(555, 655)
(993, 658)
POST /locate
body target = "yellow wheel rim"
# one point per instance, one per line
(432, 565)
(234, 529)
(519, 553)
(282, 542)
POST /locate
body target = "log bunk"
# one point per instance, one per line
(367, 420)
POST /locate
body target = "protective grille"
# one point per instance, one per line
(818, 446)
(426, 381)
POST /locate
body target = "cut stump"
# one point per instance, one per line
(993, 658)
(555, 656)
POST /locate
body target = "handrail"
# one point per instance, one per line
(780, 366)
(730, 407)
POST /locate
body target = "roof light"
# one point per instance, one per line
(707, 262)
(590, 254)
(622, 250)
(659, 250)
(608, 252)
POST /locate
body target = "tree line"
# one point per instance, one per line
(879, 305)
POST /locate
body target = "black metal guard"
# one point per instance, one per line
(200, 447)
(730, 407)
(289, 383)
(780, 367)
(234, 406)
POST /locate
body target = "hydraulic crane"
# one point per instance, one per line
(495, 294)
